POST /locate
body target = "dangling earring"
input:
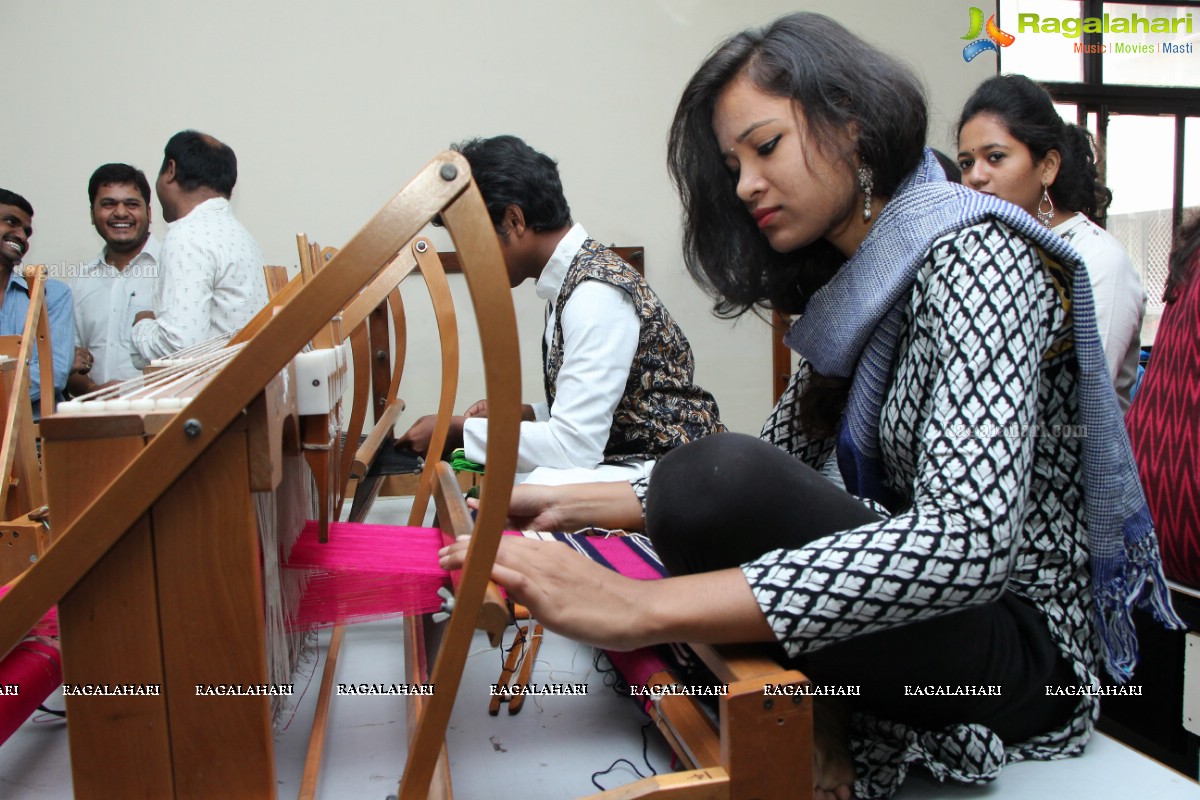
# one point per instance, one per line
(866, 182)
(1044, 217)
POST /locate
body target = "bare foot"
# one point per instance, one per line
(833, 768)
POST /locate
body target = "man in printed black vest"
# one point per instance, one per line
(618, 369)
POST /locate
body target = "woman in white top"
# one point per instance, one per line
(1013, 144)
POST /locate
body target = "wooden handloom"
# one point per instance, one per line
(374, 322)
(155, 568)
(158, 574)
(25, 525)
(24, 530)
(762, 747)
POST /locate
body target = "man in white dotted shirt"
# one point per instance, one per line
(210, 268)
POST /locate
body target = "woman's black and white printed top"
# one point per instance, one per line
(979, 436)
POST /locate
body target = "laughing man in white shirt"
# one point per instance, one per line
(618, 369)
(210, 268)
(111, 289)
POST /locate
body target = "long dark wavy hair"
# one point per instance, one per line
(1185, 258)
(1027, 110)
(838, 82)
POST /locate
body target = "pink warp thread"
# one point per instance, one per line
(366, 572)
(35, 667)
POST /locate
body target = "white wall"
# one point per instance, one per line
(331, 107)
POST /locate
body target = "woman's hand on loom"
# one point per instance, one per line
(578, 598)
(534, 507)
(565, 591)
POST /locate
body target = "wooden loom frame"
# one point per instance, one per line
(762, 746)
(370, 309)
(91, 556)
(80, 559)
(22, 494)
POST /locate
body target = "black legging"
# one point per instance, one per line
(726, 499)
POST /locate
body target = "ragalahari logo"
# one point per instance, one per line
(996, 38)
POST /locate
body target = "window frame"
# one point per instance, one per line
(1093, 96)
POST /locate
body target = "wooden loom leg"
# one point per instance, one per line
(473, 235)
(316, 739)
(207, 549)
(109, 626)
(766, 743)
(685, 725)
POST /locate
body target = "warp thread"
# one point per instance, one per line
(35, 667)
(366, 572)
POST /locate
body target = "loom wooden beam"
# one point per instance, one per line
(17, 415)
(381, 432)
(447, 324)
(455, 521)
(710, 783)
(42, 333)
(475, 240)
(686, 727)
(319, 440)
(360, 357)
(316, 739)
(368, 300)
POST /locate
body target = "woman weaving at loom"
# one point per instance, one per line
(950, 374)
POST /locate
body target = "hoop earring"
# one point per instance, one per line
(1044, 217)
(866, 182)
